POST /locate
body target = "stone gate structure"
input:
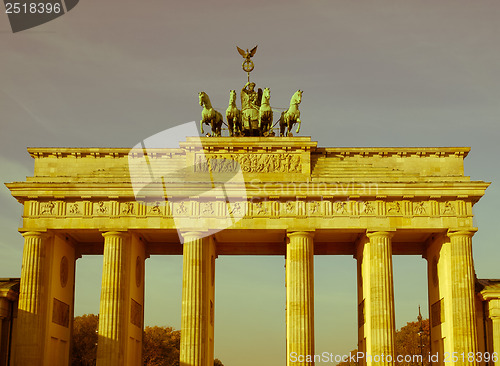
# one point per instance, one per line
(246, 196)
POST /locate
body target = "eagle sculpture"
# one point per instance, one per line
(246, 55)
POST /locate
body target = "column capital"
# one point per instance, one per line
(33, 233)
(190, 235)
(461, 232)
(490, 295)
(494, 307)
(384, 233)
(309, 234)
(123, 234)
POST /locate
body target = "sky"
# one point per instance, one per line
(374, 73)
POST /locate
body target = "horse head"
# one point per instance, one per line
(232, 97)
(266, 95)
(296, 98)
(202, 98)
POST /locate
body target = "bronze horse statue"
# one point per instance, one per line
(266, 114)
(233, 116)
(209, 115)
(291, 115)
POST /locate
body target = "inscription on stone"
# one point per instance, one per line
(60, 313)
(136, 313)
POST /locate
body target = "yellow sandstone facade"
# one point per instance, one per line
(247, 196)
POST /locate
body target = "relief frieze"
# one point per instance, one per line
(249, 163)
(314, 208)
(155, 208)
(101, 208)
(74, 208)
(367, 208)
(260, 209)
(394, 208)
(47, 208)
(448, 208)
(257, 207)
(419, 208)
(128, 208)
(235, 209)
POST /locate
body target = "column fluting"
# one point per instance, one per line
(300, 298)
(462, 292)
(30, 326)
(111, 342)
(192, 321)
(381, 291)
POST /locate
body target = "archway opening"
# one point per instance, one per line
(335, 300)
(250, 310)
(163, 291)
(88, 279)
(410, 288)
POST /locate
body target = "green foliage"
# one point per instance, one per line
(407, 342)
(161, 346)
(84, 345)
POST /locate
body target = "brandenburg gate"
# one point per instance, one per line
(251, 193)
(245, 195)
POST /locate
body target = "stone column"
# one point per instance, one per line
(31, 309)
(197, 329)
(112, 322)
(300, 298)
(494, 316)
(381, 297)
(462, 292)
(1, 331)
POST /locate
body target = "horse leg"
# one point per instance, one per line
(237, 127)
(282, 124)
(214, 128)
(230, 126)
(201, 127)
(218, 124)
(298, 127)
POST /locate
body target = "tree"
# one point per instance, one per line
(84, 345)
(161, 346)
(408, 340)
(407, 343)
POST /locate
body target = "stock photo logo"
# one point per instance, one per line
(26, 14)
(186, 186)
